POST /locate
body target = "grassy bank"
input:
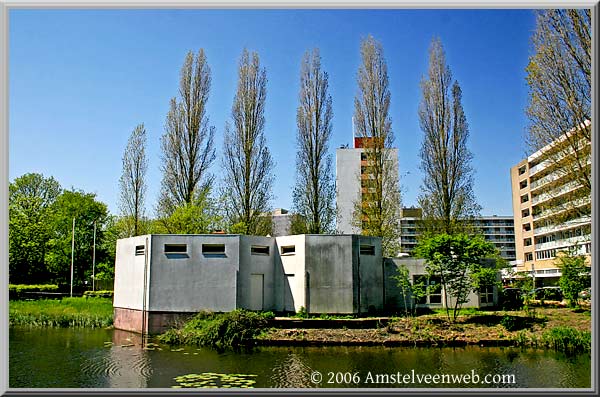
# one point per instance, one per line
(561, 329)
(67, 312)
(223, 330)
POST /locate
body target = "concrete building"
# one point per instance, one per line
(394, 299)
(161, 278)
(498, 230)
(352, 176)
(282, 222)
(541, 189)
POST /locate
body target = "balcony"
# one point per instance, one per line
(566, 188)
(564, 243)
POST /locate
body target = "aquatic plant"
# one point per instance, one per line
(215, 380)
(567, 339)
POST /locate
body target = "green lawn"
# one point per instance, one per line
(66, 312)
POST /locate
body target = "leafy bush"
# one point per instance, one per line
(226, 330)
(98, 294)
(509, 323)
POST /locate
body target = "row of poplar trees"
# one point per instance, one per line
(191, 202)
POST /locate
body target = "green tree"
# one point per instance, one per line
(560, 107)
(314, 192)
(133, 181)
(188, 141)
(378, 211)
(198, 217)
(575, 276)
(247, 163)
(86, 210)
(447, 197)
(31, 204)
(412, 292)
(457, 260)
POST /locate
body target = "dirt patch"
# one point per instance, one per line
(481, 328)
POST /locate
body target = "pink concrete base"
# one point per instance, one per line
(128, 320)
(155, 322)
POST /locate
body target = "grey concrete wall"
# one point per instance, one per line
(253, 265)
(282, 225)
(329, 263)
(370, 268)
(129, 273)
(194, 281)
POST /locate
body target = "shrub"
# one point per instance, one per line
(509, 323)
(98, 294)
(19, 288)
(226, 330)
(567, 339)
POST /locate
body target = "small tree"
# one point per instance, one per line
(412, 292)
(575, 276)
(455, 259)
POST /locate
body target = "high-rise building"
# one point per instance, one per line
(498, 230)
(551, 208)
(352, 181)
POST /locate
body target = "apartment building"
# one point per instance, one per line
(498, 230)
(353, 181)
(552, 209)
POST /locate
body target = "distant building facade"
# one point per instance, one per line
(498, 230)
(281, 222)
(541, 189)
(352, 181)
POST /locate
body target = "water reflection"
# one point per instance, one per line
(63, 358)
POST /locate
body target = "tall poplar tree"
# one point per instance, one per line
(247, 162)
(188, 141)
(133, 180)
(314, 193)
(378, 211)
(447, 197)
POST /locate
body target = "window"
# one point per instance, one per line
(523, 184)
(524, 198)
(529, 256)
(527, 242)
(140, 250)
(486, 295)
(527, 227)
(213, 249)
(259, 250)
(525, 213)
(367, 250)
(288, 250)
(175, 248)
(363, 156)
(433, 288)
(522, 170)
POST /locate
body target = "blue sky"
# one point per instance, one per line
(81, 80)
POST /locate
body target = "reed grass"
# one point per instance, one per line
(66, 312)
(568, 339)
(225, 330)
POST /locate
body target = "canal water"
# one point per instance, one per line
(99, 358)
